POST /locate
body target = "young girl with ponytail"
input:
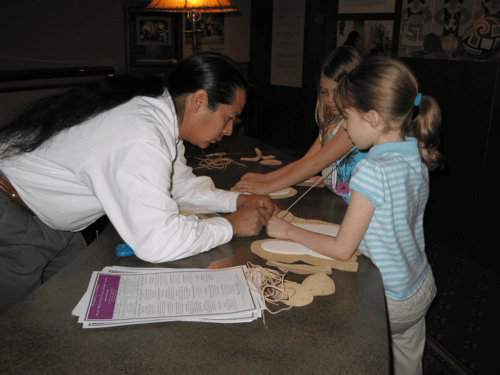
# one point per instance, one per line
(387, 114)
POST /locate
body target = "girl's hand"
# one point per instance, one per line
(254, 177)
(253, 187)
(279, 228)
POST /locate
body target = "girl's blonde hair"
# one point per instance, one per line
(388, 86)
(334, 66)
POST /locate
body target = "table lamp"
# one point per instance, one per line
(193, 8)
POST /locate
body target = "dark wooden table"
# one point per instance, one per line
(344, 333)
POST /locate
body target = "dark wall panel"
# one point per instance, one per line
(465, 92)
(285, 115)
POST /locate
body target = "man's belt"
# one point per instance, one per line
(11, 194)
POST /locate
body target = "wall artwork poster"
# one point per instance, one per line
(451, 29)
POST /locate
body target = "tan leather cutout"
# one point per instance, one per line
(350, 265)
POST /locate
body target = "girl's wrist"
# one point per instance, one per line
(274, 185)
(291, 232)
(269, 177)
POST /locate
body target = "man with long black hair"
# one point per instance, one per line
(116, 148)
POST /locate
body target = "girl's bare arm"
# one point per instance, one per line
(302, 169)
(353, 228)
(278, 172)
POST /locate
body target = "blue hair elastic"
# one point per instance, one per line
(417, 99)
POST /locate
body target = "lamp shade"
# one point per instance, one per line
(203, 6)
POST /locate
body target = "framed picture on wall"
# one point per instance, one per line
(154, 31)
(369, 27)
(369, 37)
(153, 39)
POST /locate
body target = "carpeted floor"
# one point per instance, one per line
(462, 323)
(438, 361)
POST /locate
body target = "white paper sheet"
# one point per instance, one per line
(125, 296)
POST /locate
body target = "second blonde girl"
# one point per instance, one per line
(331, 144)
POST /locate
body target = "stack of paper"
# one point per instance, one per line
(124, 296)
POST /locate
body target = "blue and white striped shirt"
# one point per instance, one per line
(396, 181)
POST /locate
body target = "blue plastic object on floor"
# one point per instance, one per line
(124, 251)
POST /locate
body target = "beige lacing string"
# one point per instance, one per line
(269, 284)
(319, 181)
(216, 161)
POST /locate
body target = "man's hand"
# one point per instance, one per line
(248, 220)
(253, 213)
(262, 201)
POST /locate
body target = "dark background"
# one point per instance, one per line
(463, 196)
